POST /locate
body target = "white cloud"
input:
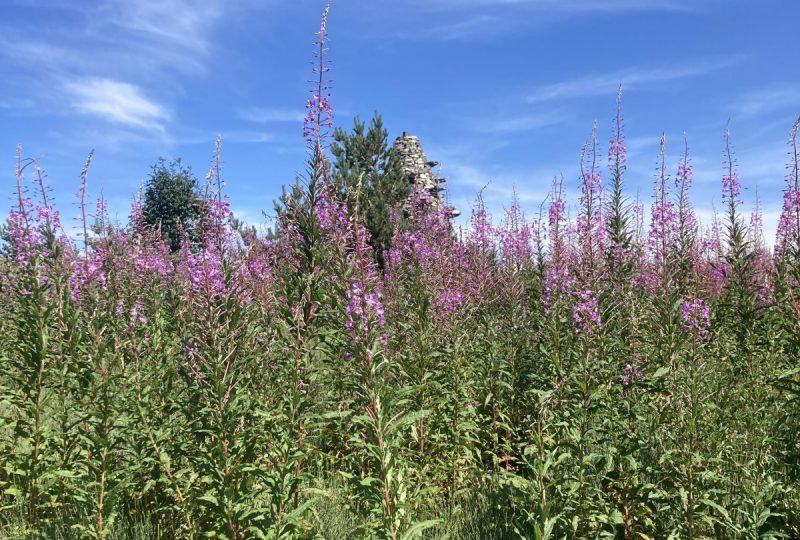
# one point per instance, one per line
(116, 102)
(124, 61)
(607, 83)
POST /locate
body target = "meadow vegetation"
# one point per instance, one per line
(369, 370)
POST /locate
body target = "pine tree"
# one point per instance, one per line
(365, 162)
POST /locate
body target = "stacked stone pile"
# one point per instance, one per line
(420, 171)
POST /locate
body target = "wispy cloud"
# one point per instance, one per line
(25, 51)
(468, 27)
(760, 101)
(519, 122)
(464, 19)
(571, 5)
(180, 23)
(15, 104)
(110, 36)
(763, 166)
(117, 102)
(265, 115)
(100, 55)
(251, 137)
(607, 83)
(639, 144)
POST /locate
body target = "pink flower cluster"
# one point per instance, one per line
(695, 317)
(617, 153)
(362, 309)
(631, 375)
(585, 314)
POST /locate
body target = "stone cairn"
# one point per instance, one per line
(420, 171)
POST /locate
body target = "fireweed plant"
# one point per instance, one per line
(581, 374)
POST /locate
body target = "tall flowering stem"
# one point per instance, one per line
(515, 237)
(663, 226)
(617, 226)
(756, 230)
(686, 238)
(741, 259)
(46, 212)
(590, 218)
(731, 198)
(787, 241)
(24, 236)
(557, 279)
(31, 224)
(318, 122)
(763, 265)
(311, 209)
(82, 204)
(482, 241)
(713, 268)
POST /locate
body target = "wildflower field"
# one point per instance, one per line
(593, 371)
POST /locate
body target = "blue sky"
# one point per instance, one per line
(499, 91)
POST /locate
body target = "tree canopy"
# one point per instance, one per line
(367, 164)
(172, 203)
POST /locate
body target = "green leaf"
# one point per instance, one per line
(415, 530)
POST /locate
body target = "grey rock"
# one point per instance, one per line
(419, 171)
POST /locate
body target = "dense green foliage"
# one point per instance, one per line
(217, 402)
(172, 203)
(365, 160)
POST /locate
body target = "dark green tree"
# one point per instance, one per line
(364, 158)
(172, 204)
